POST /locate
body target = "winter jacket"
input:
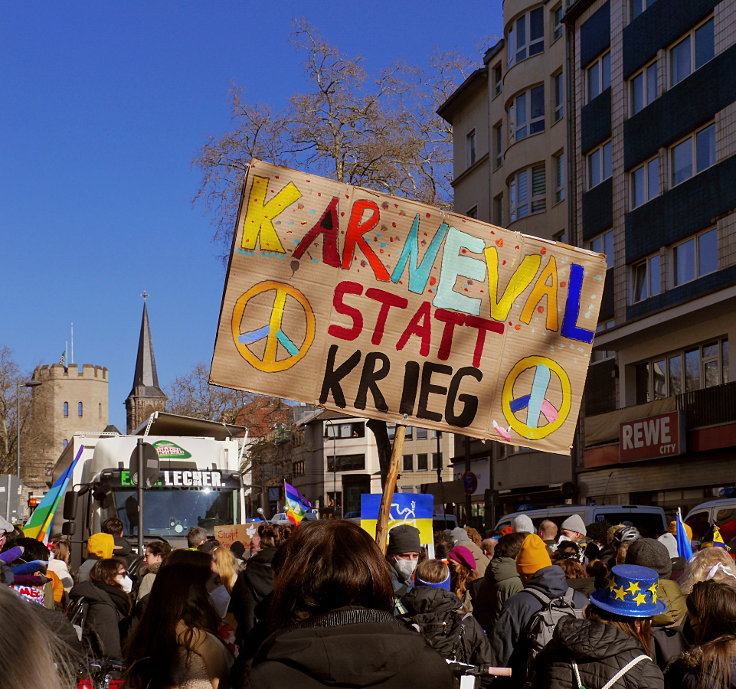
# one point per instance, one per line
(348, 647)
(501, 581)
(453, 633)
(600, 651)
(253, 584)
(107, 618)
(148, 576)
(684, 672)
(481, 559)
(670, 593)
(508, 638)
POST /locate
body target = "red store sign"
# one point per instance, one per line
(655, 436)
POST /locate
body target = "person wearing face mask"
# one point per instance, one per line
(106, 591)
(402, 554)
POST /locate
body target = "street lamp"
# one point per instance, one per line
(27, 384)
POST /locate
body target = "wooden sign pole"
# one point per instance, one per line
(390, 488)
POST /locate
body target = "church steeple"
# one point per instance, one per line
(145, 396)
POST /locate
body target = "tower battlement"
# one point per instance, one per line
(71, 372)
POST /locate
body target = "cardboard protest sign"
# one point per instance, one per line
(382, 307)
(227, 535)
(415, 509)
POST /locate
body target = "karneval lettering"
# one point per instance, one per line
(365, 303)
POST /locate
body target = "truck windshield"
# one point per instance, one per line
(172, 512)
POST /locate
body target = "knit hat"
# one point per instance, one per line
(669, 542)
(101, 544)
(646, 552)
(632, 591)
(403, 538)
(533, 555)
(459, 535)
(574, 523)
(522, 523)
(673, 529)
(463, 556)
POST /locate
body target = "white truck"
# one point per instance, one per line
(199, 482)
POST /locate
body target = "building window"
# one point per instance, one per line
(558, 163)
(470, 147)
(346, 462)
(526, 114)
(558, 95)
(66, 408)
(603, 244)
(638, 6)
(598, 76)
(691, 52)
(80, 409)
(526, 36)
(297, 468)
(99, 410)
(557, 26)
(436, 434)
(391, 428)
(436, 460)
(693, 155)
(65, 442)
(647, 278)
(643, 88)
(422, 434)
(497, 79)
(422, 461)
(408, 463)
(527, 192)
(472, 212)
(695, 257)
(599, 165)
(498, 210)
(645, 183)
(339, 431)
(560, 236)
(498, 145)
(694, 368)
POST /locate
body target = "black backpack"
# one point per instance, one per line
(446, 636)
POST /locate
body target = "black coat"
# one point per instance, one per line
(600, 651)
(348, 647)
(107, 619)
(437, 615)
(253, 584)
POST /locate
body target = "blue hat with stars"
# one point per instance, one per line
(632, 591)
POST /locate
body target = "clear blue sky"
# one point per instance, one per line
(104, 105)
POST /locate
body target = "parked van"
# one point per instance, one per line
(702, 517)
(648, 519)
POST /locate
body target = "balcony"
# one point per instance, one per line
(709, 407)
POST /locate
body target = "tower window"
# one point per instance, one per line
(80, 409)
(66, 408)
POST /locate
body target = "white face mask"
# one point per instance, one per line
(127, 583)
(405, 568)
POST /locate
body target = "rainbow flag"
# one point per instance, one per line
(296, 504)
(684, 547)
(39, 525)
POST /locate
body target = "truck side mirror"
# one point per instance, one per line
(68, 528)
(70, 505)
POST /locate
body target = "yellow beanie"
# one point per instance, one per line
(101, 544)
(533, 555)
(673, 529)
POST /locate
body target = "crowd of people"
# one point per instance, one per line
(320, 606)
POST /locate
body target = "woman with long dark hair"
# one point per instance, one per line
(610, 646)
(711, 663)
(332, 621)
(175, 643)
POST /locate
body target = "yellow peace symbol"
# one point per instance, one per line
(536, 399)
(272, 331)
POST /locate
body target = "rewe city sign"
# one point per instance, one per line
(655, 436)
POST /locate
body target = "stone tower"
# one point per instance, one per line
(146, 396)
(69, 399)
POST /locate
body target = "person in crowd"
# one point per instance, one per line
(611, 640)
(59, 562)
(573, 529)
(464, 573)
(711, 663)
(547, 532)
(443, 544)
(522, 524)
(501, 581)
(332, 620)
(122, 547)
(596, 537)
(155, 556)
(35, 583)
(567, 550)
(648, 552)
(32, 656)
(100, 546)
(7, 530)
(175, 646)
(489, 547)
(209, 546)
(109, 607)
(576, 575)
(673, 529)
(227, 567)
(508, 638)
(461, 537)
(433, 609)
(249, 595)
(238, 549)
(709, 564)
(196, 536)
(621, 539)
(402, 555)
